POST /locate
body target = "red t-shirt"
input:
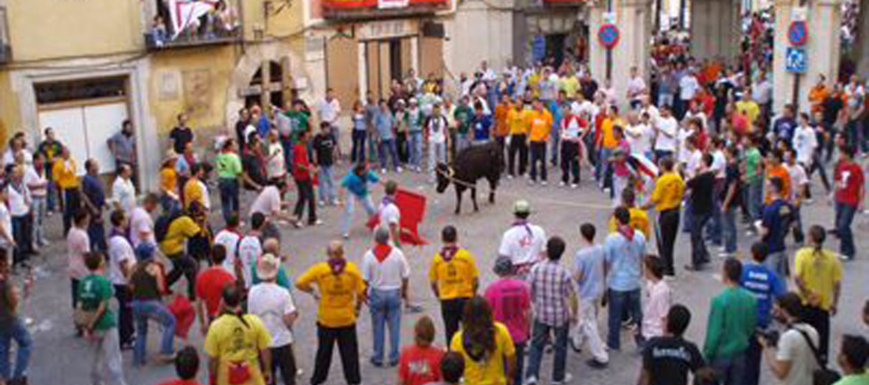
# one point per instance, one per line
(849, 181)
(301, 165)
(419, 366)
(209, 287)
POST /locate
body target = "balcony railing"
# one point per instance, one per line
(364, 9)
(195, 23)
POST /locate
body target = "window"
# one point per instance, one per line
(194, 22)
(275, 89)
(73, 90)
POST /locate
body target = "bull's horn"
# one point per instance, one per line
(451, 172)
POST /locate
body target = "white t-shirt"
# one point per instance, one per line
(437, 127)
(639, 138)
(206, 197)
(386, 274)
(249, 250)
(389, 214)
(652, 111)
(141, 226)
(329, 110)
(32, 178)
(719, 163)
(657, 305)
(636, 85)
(670, 126)
(688, 86)
(578, 108)
(124, 192)
(6, 222)
(229, 239)
(523, 243)
(805, 142)
(267, 202)
(694, 159)
(798, 179)
(684, 152)
(120, 251)
(793, 347)
(276, 166)
(271, 303)
(18, 200)
(697, 115)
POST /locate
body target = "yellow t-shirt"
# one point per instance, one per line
(750, 109)
(639, 221)
(231, 341)
(168, 179)
(516, 121)
(492, 370)
(338, 293)
(569, 85)
(540, 123)
(668, 191)
(193, 193)
(64, 174)
(609, 139)
(455, 279)
(179, 230)
(819, 272)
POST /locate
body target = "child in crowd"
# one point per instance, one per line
(419, 364)
(657, 300)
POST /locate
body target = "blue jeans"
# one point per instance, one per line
(699, 253)
(97, 235)
(228, 196)
(621, 303)
(357, 151)
(730, 370)
(520, 362)
(21, 335)
(755, 199)
(287, 144)
(387, 148)
(713, 229)
(367, 204)
(415, 147)
(777, 261)
(327, 184)
(152, 310)
(728, 229)
(844, 217)
(385, 308)
(600, 168)
(539, 336)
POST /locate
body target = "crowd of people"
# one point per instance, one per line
(701, 145)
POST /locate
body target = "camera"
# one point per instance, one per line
(770, 336)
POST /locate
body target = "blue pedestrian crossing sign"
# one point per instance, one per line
(795, 60)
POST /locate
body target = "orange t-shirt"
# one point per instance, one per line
(816, 97)
(502, 128)
(782, 173)
(541, 125)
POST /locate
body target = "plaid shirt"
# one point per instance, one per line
(551, 289)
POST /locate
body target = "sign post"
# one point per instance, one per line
(795, 56)
(608, 36)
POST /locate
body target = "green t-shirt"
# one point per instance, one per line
(752, 162)
(93, 290)
(463, 116)
(854, 379)
(732, 320)
(228, 165)
(298, 122)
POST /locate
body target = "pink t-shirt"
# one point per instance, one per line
(77, 243)
(511, 301)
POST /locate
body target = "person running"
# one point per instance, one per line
(340, 294)
(419, 364)
(667, 200)
(510, 299)
(523, 242)
(668, 359)
(122, 259)
(589, 276)
(356, 183)
(849, 197)
(766, 286)
(95, 292)
(552, 290)
(485, 345)
(275, 307)
(454, 279)
(209, 287)
(147, 284)
(818, 275)
(237, 345)
(178, 233)
(385, 272)
(186, 367)
(303, 174)
(732, 322)
(12, 326)
(624, 255)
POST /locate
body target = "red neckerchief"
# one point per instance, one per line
(448, 252)
(524, 222)
(627, 231)
(381, 252)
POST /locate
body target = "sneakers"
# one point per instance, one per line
(576, 343)
(383, 171)
(574, 186)
(321, 203)
(532, 380)
(567, 378)
(509, 176)
(543, 183)
(595, 364)
(398, 170)
(318, 222)
(562, 184)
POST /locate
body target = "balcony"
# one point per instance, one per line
(192, 23)
(5, 47)
(377, 9)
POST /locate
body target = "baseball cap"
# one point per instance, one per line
(521, 207)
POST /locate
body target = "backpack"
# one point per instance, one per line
(161, 226)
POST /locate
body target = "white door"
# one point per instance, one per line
(86, 130)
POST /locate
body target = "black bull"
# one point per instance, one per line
(471, 164)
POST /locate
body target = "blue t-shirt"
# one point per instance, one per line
(765, 285)
(358, 185)
(625, 258)
(263, 126)
(775, 219)
(784, 128)
(92, 186)
(481, 124)
(383, 122)
(589, 267)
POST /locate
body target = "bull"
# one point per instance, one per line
(470, 165)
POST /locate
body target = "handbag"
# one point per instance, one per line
(824, 375)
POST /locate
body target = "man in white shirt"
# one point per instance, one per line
(799, 188)
(250, 248)
(269, 202)
(275, 307)
(386, 273)
(6, 238)
(123, 190)
(688, 86)
(791, 360)
(805, 142)
(666, 128)
(523, 242)
(141, 222)
(121, 262)
(389, 214)
(18, 199)
(36, 180)
(639, 135)
(635, 88)
(649, 108)
(436, 131)
(229, 237)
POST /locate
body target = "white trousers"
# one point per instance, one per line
(586, 330)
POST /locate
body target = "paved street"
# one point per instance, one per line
(60, 358)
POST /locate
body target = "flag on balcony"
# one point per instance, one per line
(186, 13)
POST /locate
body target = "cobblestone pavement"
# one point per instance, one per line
(60, 358)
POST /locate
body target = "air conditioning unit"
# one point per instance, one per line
(5, 53)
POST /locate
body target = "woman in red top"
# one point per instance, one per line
(303, 173)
